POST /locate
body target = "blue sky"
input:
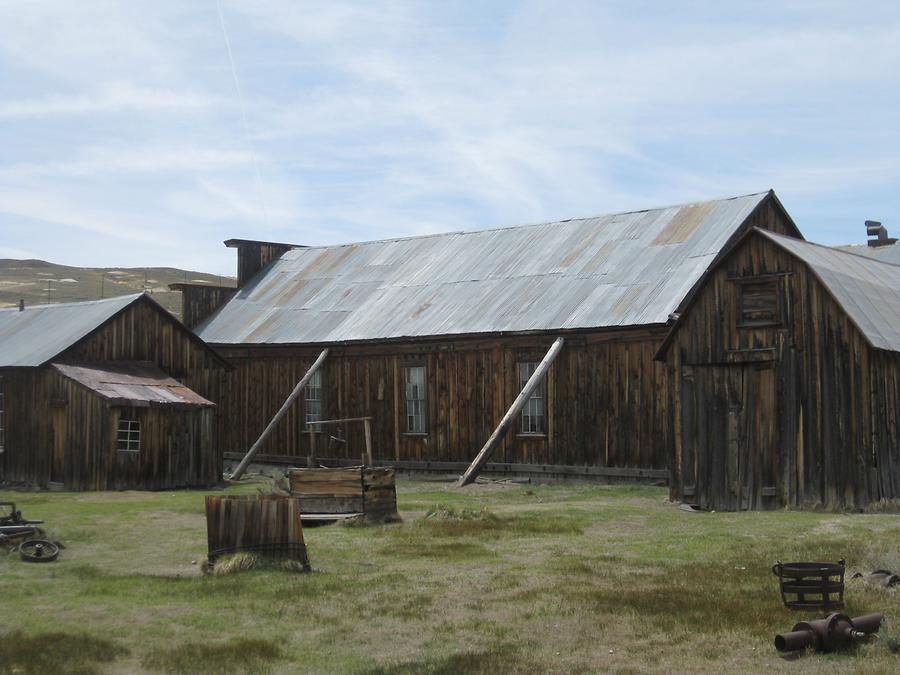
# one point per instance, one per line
(124, 140)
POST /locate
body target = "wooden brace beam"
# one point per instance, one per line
(481, 459)
(281, 413)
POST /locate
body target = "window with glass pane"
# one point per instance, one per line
(533, 412)
(128, 438)
(2, 417)
(414, 376)
(313, 392)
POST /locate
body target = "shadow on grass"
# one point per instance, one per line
(56, 652)
(500, 659)
(240, 656)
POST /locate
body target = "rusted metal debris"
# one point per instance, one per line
(18, 533)
(835, 631)
(13, 516)
(132, 383)
(38, 550)
(884, 578)
(811, 585)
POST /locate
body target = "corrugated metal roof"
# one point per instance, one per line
(39, 333)
(867, 289)
(888, 254)
(133, 383)
(616, 270)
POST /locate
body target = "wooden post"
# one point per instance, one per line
(481, 459)
(311, 459)
(368, 427)
(281, 413)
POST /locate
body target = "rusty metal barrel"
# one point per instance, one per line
(266, 524)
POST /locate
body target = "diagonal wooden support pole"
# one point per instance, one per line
(281, 413)
(481, 459)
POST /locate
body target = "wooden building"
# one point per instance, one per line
(785, 372)
(433, 338)
(102, 395)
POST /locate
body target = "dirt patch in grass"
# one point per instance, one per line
(56, 652)
(449, 521)
(238, 656)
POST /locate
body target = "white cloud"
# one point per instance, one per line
(101, 160)
(114, 97)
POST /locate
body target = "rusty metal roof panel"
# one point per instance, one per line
(39, 333)
(614, 270)
(132, 383)
(866, 288)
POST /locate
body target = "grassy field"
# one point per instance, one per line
(501, 578)
(29, 280)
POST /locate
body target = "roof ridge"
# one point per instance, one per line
(31, 308)
(833, 249)
(523, 226)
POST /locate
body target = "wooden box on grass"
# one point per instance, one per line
(344, 492)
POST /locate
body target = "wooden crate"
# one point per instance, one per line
(346, 492)
(265, 524)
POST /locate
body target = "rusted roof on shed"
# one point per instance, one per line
(132, 383)
(866, 288)
(623, 269)
(39, 333)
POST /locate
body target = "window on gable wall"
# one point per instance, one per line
(759, 303)
(533, 420)
(313, 395)
(2, 417)
(128, 436)
(414, 379)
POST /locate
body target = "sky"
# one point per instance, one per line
(146, 133)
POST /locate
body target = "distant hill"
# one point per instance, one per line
(30, 280)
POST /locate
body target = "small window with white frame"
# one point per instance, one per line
(414, 379)
(2, 417)
(533, 419)
(313, 397)
(128, 437)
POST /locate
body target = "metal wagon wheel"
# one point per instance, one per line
(38, 550)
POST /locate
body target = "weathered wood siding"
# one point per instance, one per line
(143, 333)
(199, 301)
(804, 413)
(27, 421)
(254, 255)
(63, 433)
(605, 395)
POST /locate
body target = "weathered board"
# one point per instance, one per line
(266, 524)
(355, 490)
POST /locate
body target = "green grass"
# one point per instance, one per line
(489, 579)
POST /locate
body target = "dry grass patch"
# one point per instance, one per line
(238, 656)
(56, 652)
